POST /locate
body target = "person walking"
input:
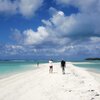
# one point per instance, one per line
(63, 65)
(50, 66)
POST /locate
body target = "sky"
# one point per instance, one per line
(49, 29)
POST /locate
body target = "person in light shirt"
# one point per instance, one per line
(50, 66)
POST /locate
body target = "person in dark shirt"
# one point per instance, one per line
(63, 65)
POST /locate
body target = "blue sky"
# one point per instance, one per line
(44, 29)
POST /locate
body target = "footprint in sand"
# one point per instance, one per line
(97, 95)
(92, 98)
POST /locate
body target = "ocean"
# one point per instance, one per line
(12, 67)
(91, 65)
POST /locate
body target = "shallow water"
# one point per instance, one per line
(92, 65)
(11, 67)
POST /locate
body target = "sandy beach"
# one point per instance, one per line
(39, 84)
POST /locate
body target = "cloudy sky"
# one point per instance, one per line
(44, 29)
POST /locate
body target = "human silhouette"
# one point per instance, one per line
(37, 64)
(63, 65)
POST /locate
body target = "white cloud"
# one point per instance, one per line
(32, 37)
(77, 34)
(86, 6)
(6, 6)
(60, 13)
(95, 39)
(29, 36)
(75, 25)
(12, 49)
(73, 35)
(26, 8)
(61, 30)
(29, 7)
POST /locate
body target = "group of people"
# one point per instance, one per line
(63, 65)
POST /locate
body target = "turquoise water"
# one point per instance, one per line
(11, 67)
(92, 65)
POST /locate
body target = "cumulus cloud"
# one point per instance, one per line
(73, 35)
(29, 7)
(75, 25)
(32, 37)
(68, 35)
(29, 36)
(86, 6)
(79, 32)
(85, 24)
(6, 6)
(26, 8)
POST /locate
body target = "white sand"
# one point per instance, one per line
(76, 84)
(95, 75)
